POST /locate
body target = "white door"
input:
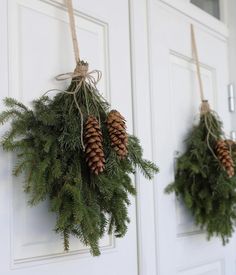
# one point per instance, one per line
(182, 248)
(35, 47)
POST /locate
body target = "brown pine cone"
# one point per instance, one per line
(93, 145)
(117, 132)
(224, 156)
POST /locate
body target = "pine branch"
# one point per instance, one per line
(201, 183)
(12, 103)
(47, 140)
(9, 114)
(66, 240)
(148, 168)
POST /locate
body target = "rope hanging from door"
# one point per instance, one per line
(73, 30)
(205, 105)
(205, 176)
(195, 56)
(210, 116)
(84, 78)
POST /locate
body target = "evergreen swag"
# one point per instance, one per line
(88, 187)
(204, 178)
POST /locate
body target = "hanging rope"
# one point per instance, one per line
(73, 30)
(205, 107)
(85, 80)
(196, 59)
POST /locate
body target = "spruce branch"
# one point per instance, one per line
(135, 154)
(201, 182)
(13, 103)
(47, 140)
(9, 114)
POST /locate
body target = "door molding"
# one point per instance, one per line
(142, 111)
(188, 9)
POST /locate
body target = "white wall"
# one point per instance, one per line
(231, 21)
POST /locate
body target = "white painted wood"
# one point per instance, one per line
(4, 159)
(147, 44)
(181, 247)
(215, 268)
(36, 47)
(200, 16)
(148, 259)
(231, 21)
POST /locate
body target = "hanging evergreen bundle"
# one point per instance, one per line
(66, 152)
(205, 178)
(75, 152)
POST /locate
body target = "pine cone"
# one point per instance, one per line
(117, 132)
(93, 145)
(224, 156)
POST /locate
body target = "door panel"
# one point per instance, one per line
(33, 230)
(183, 248)
(36, 46)
(40, 47)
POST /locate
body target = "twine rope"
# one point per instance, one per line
(205, 107)
(73, 30)
(82, 77)
(196, 59)
(81, 71)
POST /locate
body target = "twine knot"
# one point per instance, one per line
(85, 80)
(81, 69)
(205, 107)
(82, 74)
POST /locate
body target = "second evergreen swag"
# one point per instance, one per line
(205, 178)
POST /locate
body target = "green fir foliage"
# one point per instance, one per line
(202, 183)
(47, 141)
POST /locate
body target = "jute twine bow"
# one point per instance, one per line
(205, 107)
(83, 78)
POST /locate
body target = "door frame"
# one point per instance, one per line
(141, 97)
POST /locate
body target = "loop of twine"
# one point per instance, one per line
(92, 77)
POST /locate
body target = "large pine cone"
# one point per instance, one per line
(224, 156)
(117, 132)
(93, 145)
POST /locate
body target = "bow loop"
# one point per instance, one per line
(82, 73)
